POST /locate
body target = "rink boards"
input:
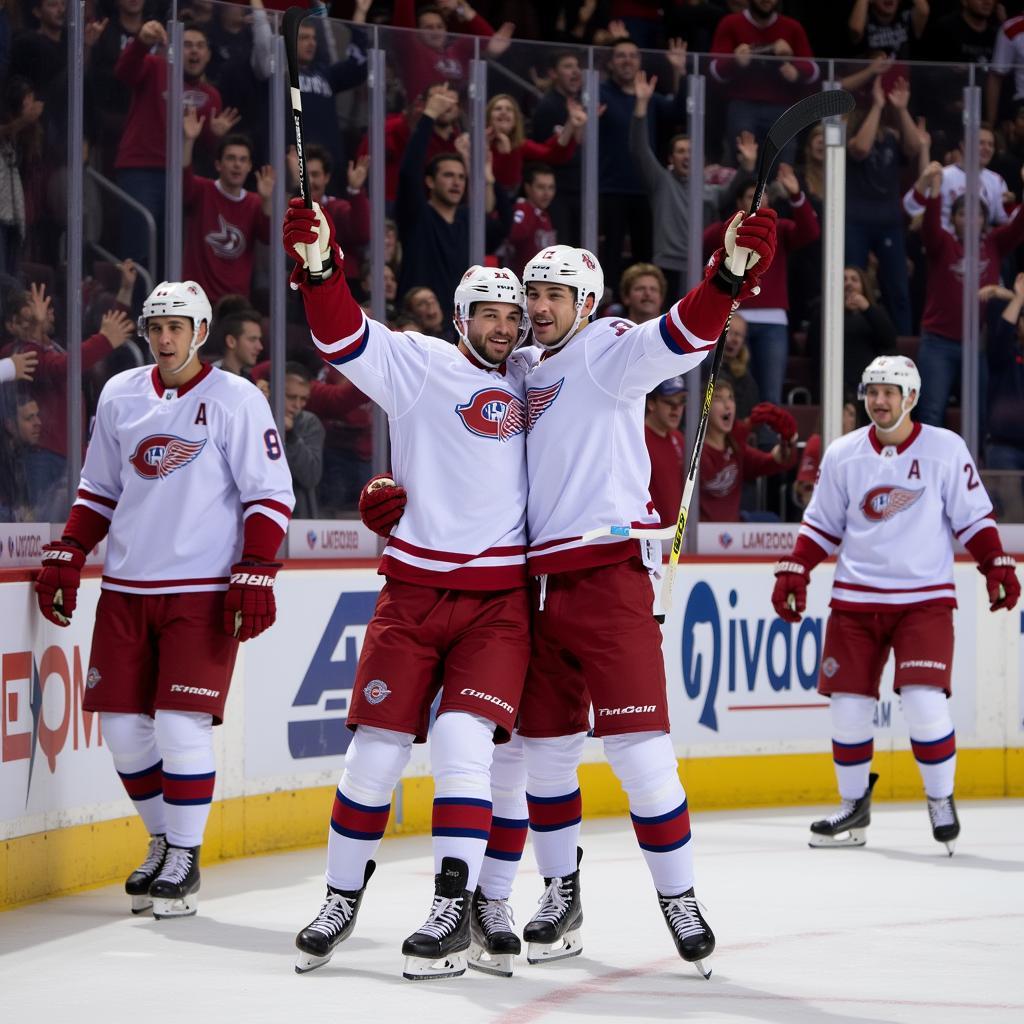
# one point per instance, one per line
(749, 729)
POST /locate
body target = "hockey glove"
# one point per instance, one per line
(775, 418)
(755, 232)
(1000, 572)
(789, 598)
(249, 606)
(304, 227)
(381, 504)
(58, 580)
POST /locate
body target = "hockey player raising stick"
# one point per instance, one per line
(186, 479)
(454, 613)
(887, 498)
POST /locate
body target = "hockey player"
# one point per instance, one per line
(453, 614)
(186, 479)
(878, 487)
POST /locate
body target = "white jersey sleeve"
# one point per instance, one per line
(824, 520)
(100, 485)
(968, 505)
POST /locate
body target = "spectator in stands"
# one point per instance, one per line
(303, 440)
(241, 336)
(867, 330)
(511, 150)
(28, 326)
(758, 91)
(423, 306)
(390, 289)
(565, 87)
(666, 446)
(20, 429)
(805, 263)
(141, 155)
(807, 471)
(532, 229)
(880, 140)
(223, 220)
(21, 151)
(939, 353)
(1007, 55)
(624, 208)
(642, 291)
(431, 55)
(887, 26)
(766, 313)
(434, 228)
(736, 361)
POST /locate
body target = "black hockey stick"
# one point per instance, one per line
(293, 18)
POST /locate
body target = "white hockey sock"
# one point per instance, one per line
(131, 740)
(932, 737)
(461, 748)
(185, 740)
(362, 803)
(646, 765)
(554, 801)
(853, 743)
(510, 822)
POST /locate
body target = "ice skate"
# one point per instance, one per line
(852, 818)
(554, 931)
(175, 890)
(945, 823)
(438, 948)
(331, 926)
(493, 944)
(138, 882)
(691, 933)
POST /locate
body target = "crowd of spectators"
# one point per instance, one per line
(905, 181)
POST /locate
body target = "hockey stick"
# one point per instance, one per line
(796, 119)
(293, 18)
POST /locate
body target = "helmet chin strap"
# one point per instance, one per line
(462, 329)
(193, 347)
(567, 337)
(903, 415)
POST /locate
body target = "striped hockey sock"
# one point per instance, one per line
(187, 798)
(665, 841)
(852, 763)
(460, 826)
(146, 790)
(555, 826)
(356, 832)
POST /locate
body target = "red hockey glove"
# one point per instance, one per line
(789, 598)
(304, 227)
(57, 582)
(777, 419)
(1000, 574)
(249, 606)
(381, 504)
(755, 232)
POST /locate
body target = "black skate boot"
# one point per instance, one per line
(554, 931)
(138, 882)
(493, 944)
(175, 889)
(331, 926)
(945, 823)
(691, 933)
(438, 948)
(853, 817)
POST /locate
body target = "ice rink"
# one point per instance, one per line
(896, 931)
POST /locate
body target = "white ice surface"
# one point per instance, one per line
(896, 931)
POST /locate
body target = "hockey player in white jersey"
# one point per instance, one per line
(889, 499)
(186, 478)
(454, 613)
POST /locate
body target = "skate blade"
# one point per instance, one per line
(705, 972)
(421, 968)
(542, 952)
(306, 962)
(855, 837)
(950, 847)
(499, 964)
(140, 904)
(184, 906)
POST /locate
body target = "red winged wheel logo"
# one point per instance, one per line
(539, 400)
(493, 412)
(882, 503)
(159, 455)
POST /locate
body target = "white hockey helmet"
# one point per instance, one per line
(575, 268)
(900, 372)
(179, 298)
(488, 284)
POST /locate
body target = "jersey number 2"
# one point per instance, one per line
(273, 443)
(972, 480)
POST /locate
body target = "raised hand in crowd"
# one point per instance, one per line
(41, 310)
(93, 30)
(224, 120)
(440, 101)
(362, 8)
(265, 178)
(129, 274)
(643, 90)
(192, 124)
(676, 55)
(924, 142)
(358, 170)
(899, 95)
(577, 117)
(118, 327)
(153, 34)
(501, 40)
(787, 178)
(743, 54)
(25, 364)
(930, 180)
(498, 139)
(746, 151)
(996, 291)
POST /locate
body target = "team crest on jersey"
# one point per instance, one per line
(376, 690)
(159, 455)
(539, 400)
(493, 413)
(830, 667)
(882, 503)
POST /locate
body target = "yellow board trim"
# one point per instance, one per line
(63, 861)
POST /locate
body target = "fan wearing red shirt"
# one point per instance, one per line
(532, 229)
(666, 446)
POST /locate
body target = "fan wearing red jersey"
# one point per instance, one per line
(889, 499)
(186, 479)
(453, 615)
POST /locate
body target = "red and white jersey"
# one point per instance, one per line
(954, 184)
(1009, 53)
(586, 453)
(892, 513)
(458, 446)
(177, 472)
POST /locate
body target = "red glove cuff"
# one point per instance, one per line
(85, 527)
(985, 545)
(807, 553)
(262, 538)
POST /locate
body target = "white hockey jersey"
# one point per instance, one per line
(458, 446)
(177, 471)
(891, 513)
(586, 454)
